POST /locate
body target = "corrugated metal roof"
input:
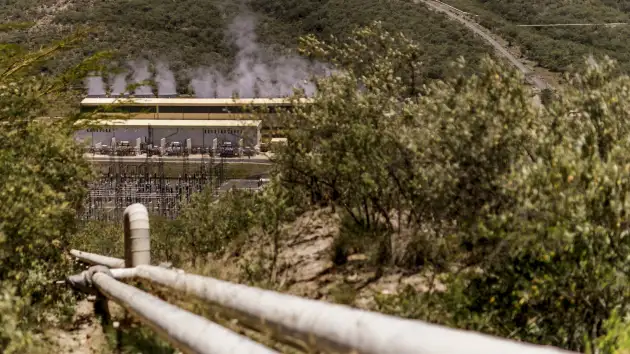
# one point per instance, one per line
(97, 101)
(181, 123)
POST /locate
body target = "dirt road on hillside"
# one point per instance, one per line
(485, 34)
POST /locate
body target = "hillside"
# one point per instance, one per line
(203, 41)
(557, 48)
(441, 39)
(191, 36)
(461, 202)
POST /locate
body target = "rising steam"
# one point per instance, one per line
(95, 86)
(165, 80)
(119, 85)
(255, 73)
(141, 73)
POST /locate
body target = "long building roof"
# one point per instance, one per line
(179, 123)
(99, 101)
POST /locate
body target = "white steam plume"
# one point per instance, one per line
(95, 85)
(165, 80)
(141, 73)
(254, 74)
(119, 86)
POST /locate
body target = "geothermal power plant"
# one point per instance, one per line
(195, 124)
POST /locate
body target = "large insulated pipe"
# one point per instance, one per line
(325, 327)
(190, 333)
(137, 241)
(97, 259)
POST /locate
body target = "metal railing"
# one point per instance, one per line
(310, 325)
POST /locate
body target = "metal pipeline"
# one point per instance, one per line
(190, 333)
(137, 240)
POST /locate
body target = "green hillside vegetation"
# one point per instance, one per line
(22, 11)
(520, 212)
(185, 34)
(621, 5)
(189, 34)
(440, 40)
(43, 178)
(557, 48)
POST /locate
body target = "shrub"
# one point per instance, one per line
(525, 207)
(42, 183)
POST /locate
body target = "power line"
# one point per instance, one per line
(575, 24)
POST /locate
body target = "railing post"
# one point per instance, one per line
(137, 241)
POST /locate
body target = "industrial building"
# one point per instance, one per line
(156, 121)
(201, 133)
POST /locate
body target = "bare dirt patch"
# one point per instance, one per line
(84, 337)
(305, 265)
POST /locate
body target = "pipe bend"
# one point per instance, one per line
(137, 235)
(137, 216)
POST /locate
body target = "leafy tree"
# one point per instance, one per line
(385, 147)
(555, 260)
(617, 338)
(211, 225)
(527, 205)
(43, 179)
